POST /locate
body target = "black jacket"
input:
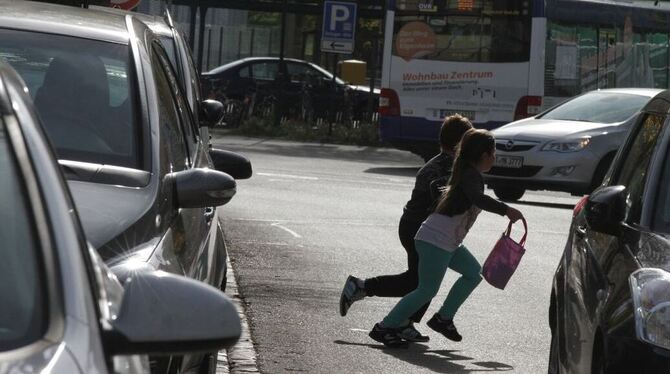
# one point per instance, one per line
(469, 192)
(434, 174)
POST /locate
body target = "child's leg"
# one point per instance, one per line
(433, 262)
(464, 263)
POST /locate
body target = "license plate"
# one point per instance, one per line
(450, 112)
(509, 162)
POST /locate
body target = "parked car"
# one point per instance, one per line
(307, 87)
(141, 177)
(64, 311)
(566, 148)
(610, 299)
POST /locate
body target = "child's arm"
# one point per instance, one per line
(472, 184)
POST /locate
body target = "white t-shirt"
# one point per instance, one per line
(447, 232)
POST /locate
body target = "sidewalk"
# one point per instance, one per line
(241, 358)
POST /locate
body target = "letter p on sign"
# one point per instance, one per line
(340, 14)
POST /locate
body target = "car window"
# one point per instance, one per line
(244, 72)
(599, 107)
(169, 47)
(195, 81)
(23, 315)
(300, 72)
(633, 171)
(82, 90)
(185, 118)
(265, 70)
(172, 144)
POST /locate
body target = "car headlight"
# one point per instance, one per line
(568, 145)
(650, 289)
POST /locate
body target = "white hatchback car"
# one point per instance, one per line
(566, 148)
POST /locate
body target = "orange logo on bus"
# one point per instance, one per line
(415, 40)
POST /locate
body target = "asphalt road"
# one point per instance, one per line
(313, 213)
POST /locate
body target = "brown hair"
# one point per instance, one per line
(452, 130)
(474, 144)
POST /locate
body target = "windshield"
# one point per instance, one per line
(82, 91)
(23, 313)
(465, 31)
(600, 107)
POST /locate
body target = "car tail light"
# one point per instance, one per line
(527, 106)
(580, 205)
(389, 103)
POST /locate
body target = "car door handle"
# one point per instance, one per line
(209, 213)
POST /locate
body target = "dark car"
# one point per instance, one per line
(306, 88)
(140, 173)
(610, 300)
(64, 311)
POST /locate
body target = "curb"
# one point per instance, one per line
(240, 358)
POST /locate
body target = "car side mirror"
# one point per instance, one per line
(212, 112)
(605, 210)
(202, 188)
(158, 317)
(238, 166)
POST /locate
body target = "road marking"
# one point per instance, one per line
(295, 234)
(359, 330)
(288, 176)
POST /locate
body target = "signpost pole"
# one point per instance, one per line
(279, 108)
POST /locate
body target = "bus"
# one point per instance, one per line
(496, 61)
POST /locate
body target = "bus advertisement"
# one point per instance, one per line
(496, 61)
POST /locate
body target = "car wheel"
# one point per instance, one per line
(509, 193)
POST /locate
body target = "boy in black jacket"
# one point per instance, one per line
(430, 178)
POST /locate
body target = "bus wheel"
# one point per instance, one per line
(509, 193)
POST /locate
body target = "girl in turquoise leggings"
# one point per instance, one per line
(439, 242)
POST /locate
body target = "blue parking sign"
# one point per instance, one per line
(339, 26)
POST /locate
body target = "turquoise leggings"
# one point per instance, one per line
(433, 264)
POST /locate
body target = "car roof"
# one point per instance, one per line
(157, 24)
(230, 65)
(650, 92)
(64, 20)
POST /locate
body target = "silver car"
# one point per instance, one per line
(63, 310)
(566, 148)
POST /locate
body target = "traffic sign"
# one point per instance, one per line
(124, 4)
(338, 31)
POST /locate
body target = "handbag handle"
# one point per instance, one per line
(525, 235)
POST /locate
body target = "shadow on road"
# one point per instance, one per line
(545, 205)
(437, 360)
(399, 171)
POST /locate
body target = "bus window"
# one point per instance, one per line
(484, 32)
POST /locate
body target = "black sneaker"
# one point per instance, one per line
(388, 336)
(445, 327)
(411, 334)
(350, 293)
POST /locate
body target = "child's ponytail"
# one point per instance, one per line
(470, 150)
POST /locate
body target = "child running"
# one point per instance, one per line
(425, 195)
(439, 242)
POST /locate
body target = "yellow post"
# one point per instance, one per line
(353, 71)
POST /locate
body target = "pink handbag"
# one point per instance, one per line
(504, 258)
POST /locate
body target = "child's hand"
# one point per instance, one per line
(513, 214)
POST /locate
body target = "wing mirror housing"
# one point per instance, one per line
(605, 209)
(234, 164)
(165, 314)
(212, 112)
(202, 188)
